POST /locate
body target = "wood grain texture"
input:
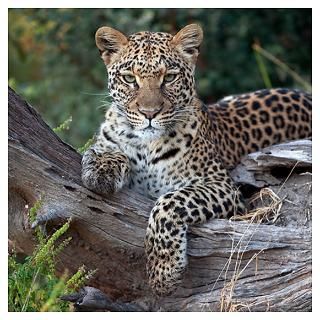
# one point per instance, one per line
(255, 168)
(233, 266)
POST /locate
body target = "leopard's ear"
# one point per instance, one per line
(110, 42)
(187, 41)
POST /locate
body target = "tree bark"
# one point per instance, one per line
(233, 265)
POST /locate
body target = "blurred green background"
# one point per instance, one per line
(55, 65)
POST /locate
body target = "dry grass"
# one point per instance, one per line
(268, 212)
(227, 302)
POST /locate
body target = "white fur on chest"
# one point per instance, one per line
(149, 176)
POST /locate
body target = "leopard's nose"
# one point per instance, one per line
(150, 113)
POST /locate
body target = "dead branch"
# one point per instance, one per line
(233, 266)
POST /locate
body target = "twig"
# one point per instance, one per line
(257, 48)
(263, 70)
(289, 175)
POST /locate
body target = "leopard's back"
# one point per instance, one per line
(249, 122)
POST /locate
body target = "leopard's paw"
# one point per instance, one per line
(166, 259)
(104, 173)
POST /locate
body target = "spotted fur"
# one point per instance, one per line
(159, 139)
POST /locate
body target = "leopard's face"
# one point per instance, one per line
(151, 76)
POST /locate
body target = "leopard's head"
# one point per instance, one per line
(151, 76)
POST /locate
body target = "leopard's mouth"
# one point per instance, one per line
(150, 127)
(152, 130)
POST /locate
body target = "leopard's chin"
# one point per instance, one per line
(150, 133)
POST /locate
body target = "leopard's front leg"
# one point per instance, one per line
(105, 168)
(166, 241)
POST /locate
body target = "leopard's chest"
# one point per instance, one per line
(156, 173)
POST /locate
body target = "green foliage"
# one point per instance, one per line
(33, 285)
(55, 64)
(32, 217)
(65, 125)
(86, 145)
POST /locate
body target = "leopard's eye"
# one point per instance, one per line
(169, 77)
(129, 78)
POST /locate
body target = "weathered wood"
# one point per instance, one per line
(232, 265)
(255, 168)
(92, 299)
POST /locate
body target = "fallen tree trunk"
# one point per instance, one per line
(233, 265)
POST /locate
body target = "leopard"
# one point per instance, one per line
(160, 140)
